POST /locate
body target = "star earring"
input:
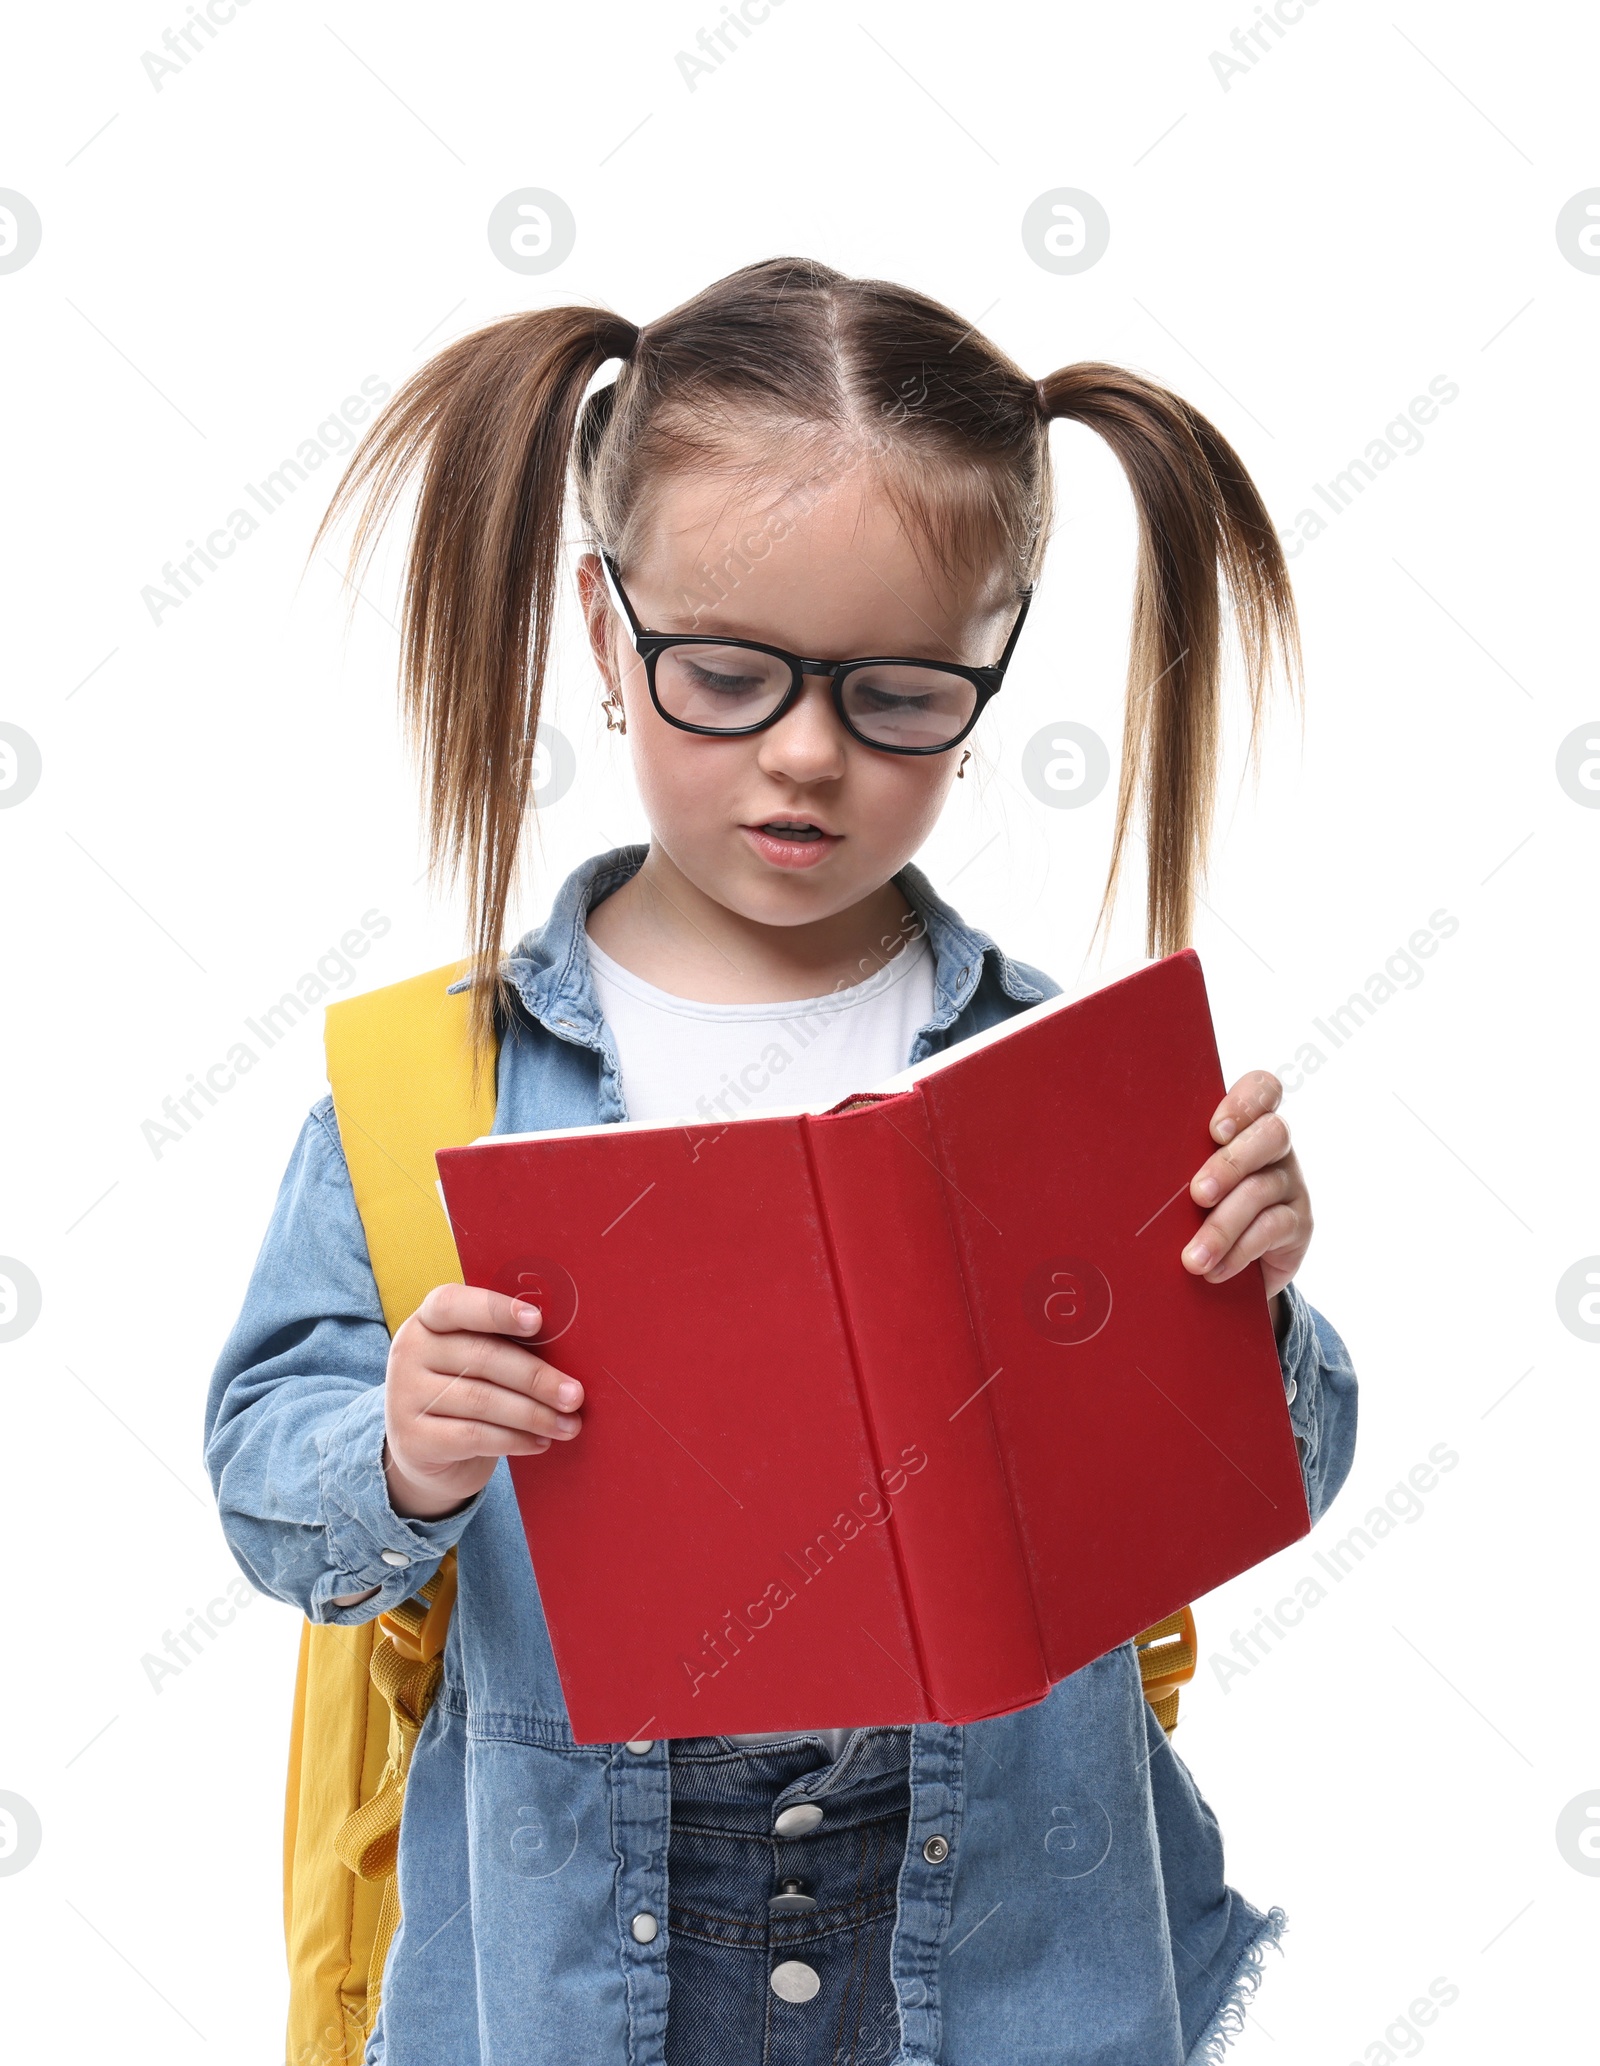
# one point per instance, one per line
(616, 716)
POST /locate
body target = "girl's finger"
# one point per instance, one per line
(501, 1363)
(473, 1309)
(1220, 1229)
(1264, 1141)
(1278, 1228)
(1247, 1100)
(459, 1441)
(455, 1397)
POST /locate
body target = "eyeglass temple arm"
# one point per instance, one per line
(620, 601)
(1016, 631)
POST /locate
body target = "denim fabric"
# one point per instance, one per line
(725, 1863)
(1080, 1917)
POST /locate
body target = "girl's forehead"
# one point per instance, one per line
(840, 549)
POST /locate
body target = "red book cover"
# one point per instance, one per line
(897, 1412)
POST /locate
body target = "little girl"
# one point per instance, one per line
(815, 508)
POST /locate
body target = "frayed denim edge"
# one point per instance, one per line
(1228, 2021)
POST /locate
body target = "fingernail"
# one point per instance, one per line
(566, 1423)
(568, 1393)
(541, 1441)
(1226, 1129)
(1206, 1189)
(528, 1318)
(1197, 1255)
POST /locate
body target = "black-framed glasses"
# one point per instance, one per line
(734, 686)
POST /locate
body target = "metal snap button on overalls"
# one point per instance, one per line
(794, 1980)
(790, 1900)
(799, 1820)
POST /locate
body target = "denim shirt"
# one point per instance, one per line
(1080, 1916)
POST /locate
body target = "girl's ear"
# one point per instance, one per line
(599, 617)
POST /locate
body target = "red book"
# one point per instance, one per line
(897, 1412)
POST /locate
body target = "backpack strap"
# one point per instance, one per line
(1168, 1652)
(400, 1068)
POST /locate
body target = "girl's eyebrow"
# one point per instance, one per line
(931, 649)
(928, 650)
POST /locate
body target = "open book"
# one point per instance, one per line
(897, 1412)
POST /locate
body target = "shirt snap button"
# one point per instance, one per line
(644, 1744)
(398, 1558)
(936, 1850)
(644, 1929)
(798, 1821)
(1290, 1390)
(794, 1980)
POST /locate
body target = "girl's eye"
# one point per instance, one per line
(870, 697)
(712, 683)
(920, 708)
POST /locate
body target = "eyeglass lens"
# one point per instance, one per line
(728, 688)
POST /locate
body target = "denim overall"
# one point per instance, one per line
(780, 1922)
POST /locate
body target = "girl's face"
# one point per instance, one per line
(801, 821)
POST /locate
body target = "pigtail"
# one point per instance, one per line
(487, 426)
(1200, 516)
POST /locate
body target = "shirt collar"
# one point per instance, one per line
(549, 968)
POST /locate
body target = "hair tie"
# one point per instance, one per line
(611, 339)
(1039, 397)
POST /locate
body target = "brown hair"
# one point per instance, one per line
(790, 366)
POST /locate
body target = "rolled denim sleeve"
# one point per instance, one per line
(295, 1415)
(1319, 1383)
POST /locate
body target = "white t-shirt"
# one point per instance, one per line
(683, 1060)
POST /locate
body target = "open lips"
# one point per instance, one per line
(791, 828)
(791, 842)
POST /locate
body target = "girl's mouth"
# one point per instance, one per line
(790, 842)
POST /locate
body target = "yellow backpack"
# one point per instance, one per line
(400, 1070)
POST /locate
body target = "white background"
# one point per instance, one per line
(225, 258)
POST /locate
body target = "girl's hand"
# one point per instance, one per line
(1254, 1182)
(462, 1391)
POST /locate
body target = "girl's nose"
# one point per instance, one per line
(808, 743)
